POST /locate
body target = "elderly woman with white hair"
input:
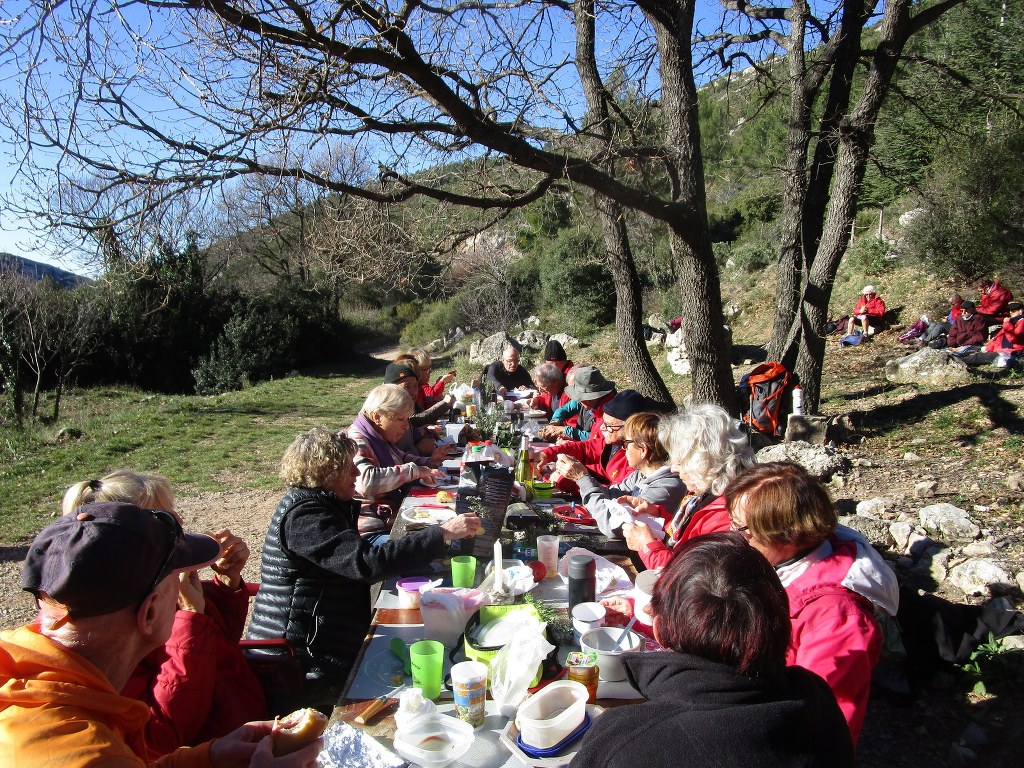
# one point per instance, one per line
(551, 393)
(707, 450)
(383, 468)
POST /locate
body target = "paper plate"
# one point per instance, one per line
(428, 515)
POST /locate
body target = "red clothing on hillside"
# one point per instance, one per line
(1010, 339)
(994, 300)
(873, 307)
(198, 686)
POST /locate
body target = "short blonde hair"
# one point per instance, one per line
(126, 485)
(387, 400)
(316, 458)
(423, 359)
(704, 440)
(642, 429)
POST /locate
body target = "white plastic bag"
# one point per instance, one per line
(515, 665)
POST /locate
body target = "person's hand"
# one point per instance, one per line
(438, 455)
(569, 468)
(424, 472)
(449, 377)
(462, 527)
(637, 536)
(234, 554)
(618, 611)
(190, 592)
(551, 431)
(502, 391)
(251, 746)
(640, 506)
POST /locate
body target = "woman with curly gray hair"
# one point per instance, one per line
(317, 569)
(707, 450)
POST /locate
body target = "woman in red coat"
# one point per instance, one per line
(868, 312)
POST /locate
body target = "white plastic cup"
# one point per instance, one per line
(643, 588)
(469, 685)
(547, 553)
(587, 616)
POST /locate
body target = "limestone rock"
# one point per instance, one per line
(927, 366)
(565, 339)
(532, 339)
(875, 531)
(488, 350)
(657, 320)
(938, 563)
(1015, 481)
(822, 461)
(875, 507)
(678, 361)
(979, 577)
(900, 533)
(531, 322)
(949, 522)
(435, 346)
(911, 458)
(925, 489)
(979, 549)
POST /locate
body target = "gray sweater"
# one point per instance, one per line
(662, 486)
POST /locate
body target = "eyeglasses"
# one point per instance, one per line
(738, 528)
(177, 536)
(627, 442)
(611, 429)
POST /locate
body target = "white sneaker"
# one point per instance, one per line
(1001, 362)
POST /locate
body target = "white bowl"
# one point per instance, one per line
(600, 641)
(434, 740)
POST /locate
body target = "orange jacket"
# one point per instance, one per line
(58, 710)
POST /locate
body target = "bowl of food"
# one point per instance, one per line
(434, 740)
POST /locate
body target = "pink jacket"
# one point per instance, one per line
(712, 518)
(833, 594)
(198, 686)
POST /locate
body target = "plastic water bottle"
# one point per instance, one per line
(798, 401)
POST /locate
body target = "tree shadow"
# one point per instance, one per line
(741, 352)
(1000, 411)
(13, 554)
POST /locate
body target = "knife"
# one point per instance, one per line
(377, 705)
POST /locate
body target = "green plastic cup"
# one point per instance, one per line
(463, 571)
(427, 659)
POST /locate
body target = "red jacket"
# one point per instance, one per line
(198, 686)
(590, 453)
(873, 307)
(994, 300)
(1010, 339)
(544, 402)
(712, 518)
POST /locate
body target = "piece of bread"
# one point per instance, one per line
(293, 732)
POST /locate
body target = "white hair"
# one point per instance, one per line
(387, 400)
(704, 440)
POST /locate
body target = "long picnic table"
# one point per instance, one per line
(377, 671)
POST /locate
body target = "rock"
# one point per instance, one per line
(657, 320)
(807, 429)
(919, 544)
(732, 311)
(457, 335)
(531, 322)
(980, 577)
(1015, 481)
(900, 533)
(927, 366)
(908, 218)
(1013, 642)
(951, 523)
(532, 339)
(565, 339)
(911, 458)
(925, 489)
(979, 549)
(1020, 581)
(678, 361)
(938, 563)
(435, 346)
(822, 461)
(875, 507)
(875, 531)
(675, 339)
(961, 756)
(973, 736)
(488, 350)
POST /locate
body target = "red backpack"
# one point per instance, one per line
(766, 389)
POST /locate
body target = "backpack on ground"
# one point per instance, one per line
(766, 391)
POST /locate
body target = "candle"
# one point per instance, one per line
(499, 572)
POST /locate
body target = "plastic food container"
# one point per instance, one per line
(409, 591)
(433, 740)
(601, 640)
(552, 714)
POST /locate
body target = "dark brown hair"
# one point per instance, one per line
(720, 599)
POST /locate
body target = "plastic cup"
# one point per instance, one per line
(427, 660)
(463, 571)
(469, 684)
(547, 553)
(409, 591)
(587, 616)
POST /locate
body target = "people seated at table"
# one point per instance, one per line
(993, 299)
(551, 393)
(106, 580)
(429, 394)
(590, 391)
(420, 438)
(867, 315)
(601, 455)
(317, 570)
(554, 353)
(706, 450)
(1007, 346)
(651, 478)
(197, 685)
(507, 374)
(835, 580)
(383, 467)
(721, 695)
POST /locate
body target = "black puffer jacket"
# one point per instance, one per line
(316, 576)
(703, 714)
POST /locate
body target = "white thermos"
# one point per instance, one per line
(798, 401)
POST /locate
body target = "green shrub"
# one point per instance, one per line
(432, 323)
(870, 255)
(575, 281)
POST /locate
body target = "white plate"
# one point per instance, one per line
(508, 738)
(428, 515)
(452, 464)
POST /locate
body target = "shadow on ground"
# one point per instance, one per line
(12, 554)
